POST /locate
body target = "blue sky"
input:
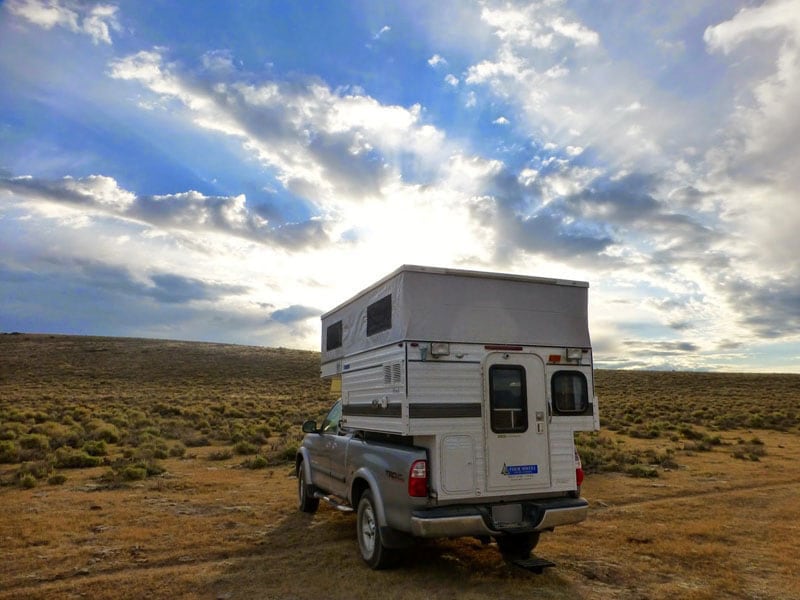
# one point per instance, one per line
(226, 171)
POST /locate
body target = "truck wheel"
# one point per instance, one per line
(517, 545)
(374, 553)
(305, 499)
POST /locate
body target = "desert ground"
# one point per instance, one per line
(143, 468)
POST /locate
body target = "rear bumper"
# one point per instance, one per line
(493, 519)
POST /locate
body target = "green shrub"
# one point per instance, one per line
(101, 430)
(70, 458)
(177, 450)
(223, 454)
(245, 447)
(133, 473)
(27, 481)
(34, 446)
(95, 448)
(38, 469)
(289, 452)
(257, 462)
(641, 471)
(9, 452)
(57, 479)
(197, 441)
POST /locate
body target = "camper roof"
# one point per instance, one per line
(458, 272)
(454, 305)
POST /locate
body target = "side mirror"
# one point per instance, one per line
(310, 427)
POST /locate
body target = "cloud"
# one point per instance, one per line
(451, 79)
(293, 314)
(501, 121)
(772, 18)
(384, 29)
(436, 60)
(95, 21)
(185, 211)
(325, 145)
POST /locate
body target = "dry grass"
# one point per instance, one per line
(710, 526)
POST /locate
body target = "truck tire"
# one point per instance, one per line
(305, 492)
(370, 544)
(517, 546)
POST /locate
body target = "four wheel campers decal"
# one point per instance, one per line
(519, 470)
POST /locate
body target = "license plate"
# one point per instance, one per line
(507, 514)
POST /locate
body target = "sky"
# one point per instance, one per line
(228, 171)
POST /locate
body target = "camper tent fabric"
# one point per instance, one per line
(449, 305)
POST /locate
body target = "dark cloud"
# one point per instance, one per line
(178, 289)
(656, 348)
(95, 299)
(520, 223)
(770, 309)
(190, 211)
(166, 288)
(293, 314)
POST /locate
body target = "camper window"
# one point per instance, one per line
(333, 336)
(508, 399)
(570, 393)
(379, 315)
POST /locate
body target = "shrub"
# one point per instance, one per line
(69, 458)
(9, 452)
(59, 434)
(27, 481)
(57, 479)
(197, 441)
(257, 462)
(288, 453)
(37, 469)
(34, 446)
(177, 450)
(133, 473)
(223, 454)
(95, 448)
(641, 471)
(245, 447)
(100, 430)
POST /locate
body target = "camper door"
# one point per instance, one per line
(516, 424)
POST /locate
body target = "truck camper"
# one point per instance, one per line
(461, 392)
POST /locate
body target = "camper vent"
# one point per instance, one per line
(392, 373)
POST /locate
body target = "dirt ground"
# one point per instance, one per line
(715, 527)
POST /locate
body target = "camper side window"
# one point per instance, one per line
(379, 315)
(333, 336)
(570, 393)
(508, 399)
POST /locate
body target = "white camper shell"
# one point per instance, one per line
(491, 373)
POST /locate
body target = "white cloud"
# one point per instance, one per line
(451, 79)
(95, 21)
(436, 60)
(501, 121)
(772, 17)
(328, 146)
(384, 29)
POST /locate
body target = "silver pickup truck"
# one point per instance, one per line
(385, 479)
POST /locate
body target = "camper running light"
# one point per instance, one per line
(575, 354)
(418, 479)
(440, 349)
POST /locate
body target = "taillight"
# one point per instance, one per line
(578, 469)
(418, 479)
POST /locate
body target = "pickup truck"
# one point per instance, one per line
(384, 478)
